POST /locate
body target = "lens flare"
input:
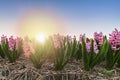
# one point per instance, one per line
(34, 22)
(41, 37)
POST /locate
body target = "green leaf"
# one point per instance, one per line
(101, 54)
(85, 57)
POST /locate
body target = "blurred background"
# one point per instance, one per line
(73, 17)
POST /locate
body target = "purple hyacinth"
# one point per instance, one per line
(12, 43)
(99, 38)
(82, 37)
(114, 39)
(70, 39)
(96, 47)
(3, 38)
(88, 47)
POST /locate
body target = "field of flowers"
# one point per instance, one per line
(57, 53)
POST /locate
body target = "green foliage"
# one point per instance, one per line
(37, 57)
(111, 58)
(118, 63)
(65, 52)
(85, 56)
(102, 53)
(40, 53)
(20, 48)
(62, 56)
(75, 50)
(49, 47)
(2, 54)
(78, 51)
(11, 55)
(91, 59)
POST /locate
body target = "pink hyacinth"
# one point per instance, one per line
(3, 38)
(99, 38)
(28, 48)
(114, 39)
(58, 40)
(88, 47)
(96, 48)
(18, 40)
(82, 37)
(12, 43)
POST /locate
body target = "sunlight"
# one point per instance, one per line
(33, 23)
(41, 37)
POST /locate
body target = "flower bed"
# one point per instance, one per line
(61, 58)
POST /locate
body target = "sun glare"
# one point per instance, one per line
(41, 37)
(36, 22)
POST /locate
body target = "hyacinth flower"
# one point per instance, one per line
(2, 42)
(91, 54)
(114, 39)
(61, 52)
(82, 37)
(34, 51)
(3, 39)
(58, 40)
(27, 47)
(113, 54)
(12, 48)
(98, 37)
(69, 39)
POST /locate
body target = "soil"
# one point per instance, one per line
(23, 69)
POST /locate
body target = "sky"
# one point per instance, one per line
(73, 17)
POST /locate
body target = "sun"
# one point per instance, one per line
(34, 22)
(41, 37)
